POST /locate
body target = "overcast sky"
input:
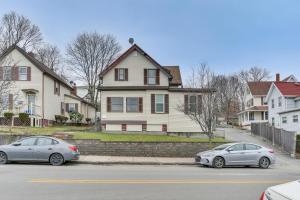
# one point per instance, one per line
(229, 35)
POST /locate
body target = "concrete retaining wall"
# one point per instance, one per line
(145, 149)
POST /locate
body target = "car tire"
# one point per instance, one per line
(264, 163)
(218, 162)
(56, 159)
(3, 158)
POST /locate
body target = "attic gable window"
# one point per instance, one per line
(7, 75)
(121, 74)
(151, 76)
(23, 73)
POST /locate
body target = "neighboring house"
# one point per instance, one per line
(256, 110)
(138, 94)
(284, 105)
(256, 106)
(37, 90)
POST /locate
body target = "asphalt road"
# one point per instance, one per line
(130, 182)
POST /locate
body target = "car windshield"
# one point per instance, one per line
(221, 147)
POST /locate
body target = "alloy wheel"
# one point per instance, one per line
(56, 159)
(264, 162)
(218, 162)
(3, 158)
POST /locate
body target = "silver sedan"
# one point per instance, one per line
(241, 154)
(39, 149)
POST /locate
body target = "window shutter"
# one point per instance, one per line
(126, 74)
(11, 102)
(186, 104)
(67, 107)
(28, 73)
(54, 87)
(157, 76)
(15, 73)
(199, 104)
(1, 73)
(108, 104)
(145, 77)
(152, 103)
(141, 104)
(62, 108)
(116, 74)
(76, 107)
(166, 103)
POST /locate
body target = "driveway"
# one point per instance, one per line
(283, 159)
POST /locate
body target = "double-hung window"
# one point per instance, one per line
(272, 102)
(7, 75)
(72, 107)
(295, 118)
(117, 104)
(284, 120)
(159, 103)
(4, 101)
(23, 73)
(121, 74)
(132, 104)
(151, 79)
(279, 101)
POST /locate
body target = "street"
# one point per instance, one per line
(75, 181)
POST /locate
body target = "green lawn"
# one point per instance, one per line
(87, 133)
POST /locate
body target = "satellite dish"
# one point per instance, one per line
(131, 41)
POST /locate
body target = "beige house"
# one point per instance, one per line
(138, 94)
(37, 90)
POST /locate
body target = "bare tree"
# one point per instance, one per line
(49, 55)
(88, 55)
(18, 30)
(205, 113)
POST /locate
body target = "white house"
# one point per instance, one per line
(284, 105)
(256, 110)
(138, 94)
(37, 90)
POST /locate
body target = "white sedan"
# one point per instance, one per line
(287, 191)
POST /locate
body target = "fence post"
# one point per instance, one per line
(273, 136)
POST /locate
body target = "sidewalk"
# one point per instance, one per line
(134, 160)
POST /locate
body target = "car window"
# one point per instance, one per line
(221, 147)
(252, 147)
(44, 141)
(55, 142)
(28, 142)
(237, 147)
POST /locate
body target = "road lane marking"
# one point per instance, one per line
(183, 181)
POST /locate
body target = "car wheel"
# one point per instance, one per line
(56, 159)
(3, 158)
(218, 162)
(264, 162)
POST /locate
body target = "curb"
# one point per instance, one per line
(130, 163)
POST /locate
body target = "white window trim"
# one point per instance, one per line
(148, 77)
(70, 107)
(162, 102)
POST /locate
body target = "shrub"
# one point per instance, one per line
(76, 117)
(23, 117)
(8, 115)
(60, 119)
(88, 120)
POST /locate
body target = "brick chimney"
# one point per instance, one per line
(277, 77)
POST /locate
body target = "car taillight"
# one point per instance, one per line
(73, 148)
(262, 197)
(271, 151)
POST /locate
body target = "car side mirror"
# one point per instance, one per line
(16, 144)
(230, 149)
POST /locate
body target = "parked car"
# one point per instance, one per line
(241, 154)
(287, 191)
(40, 149)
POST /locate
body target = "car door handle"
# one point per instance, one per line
(29, 148)
(50, 149)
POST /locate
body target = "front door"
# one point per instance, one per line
(235, 155)
(31, 103)
(23, 150)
